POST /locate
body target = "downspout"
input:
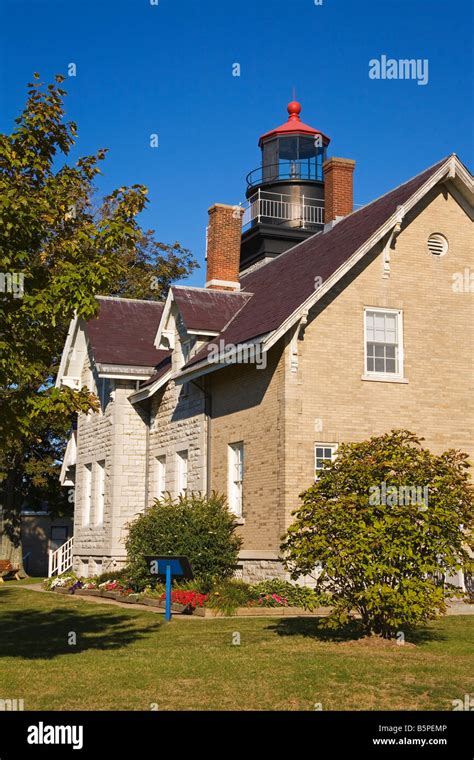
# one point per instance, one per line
(208, 418)
(147, 454)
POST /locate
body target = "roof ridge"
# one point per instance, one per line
(250, 295)
(131, 300)
(209, 290)
(356, 211)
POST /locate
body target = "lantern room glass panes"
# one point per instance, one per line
(293, 157)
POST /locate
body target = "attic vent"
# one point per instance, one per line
(437, 244)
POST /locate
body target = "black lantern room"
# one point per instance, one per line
(285, 195)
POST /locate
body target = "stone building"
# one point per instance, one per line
(318, 324)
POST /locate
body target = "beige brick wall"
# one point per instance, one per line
(246, 406)
(438, 324)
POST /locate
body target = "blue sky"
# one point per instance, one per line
(166, 69)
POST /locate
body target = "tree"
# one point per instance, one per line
(58, 250)
(200, 528)
(385, 522)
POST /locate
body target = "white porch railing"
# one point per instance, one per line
(276, 206)
(61, 559)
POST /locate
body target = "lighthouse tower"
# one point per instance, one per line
(285, 195)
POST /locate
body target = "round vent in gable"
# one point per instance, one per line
(437, 244)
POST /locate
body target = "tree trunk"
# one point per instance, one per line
(10, 537)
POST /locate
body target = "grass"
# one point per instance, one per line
(129, 659)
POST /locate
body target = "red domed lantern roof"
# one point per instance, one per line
(294, 125)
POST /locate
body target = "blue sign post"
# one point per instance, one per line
(170, 567)
(168, 592)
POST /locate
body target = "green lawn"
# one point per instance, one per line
(128, 659)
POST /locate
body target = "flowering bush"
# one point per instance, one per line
(61, 581)
(89, 583)
(111, 586)
(189, 599)
(272, 600)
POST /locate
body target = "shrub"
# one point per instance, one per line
(296, 596)
(200, 528)
(382, 554)
(227, 596)
(113, 575)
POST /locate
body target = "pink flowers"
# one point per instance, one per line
(272, 600)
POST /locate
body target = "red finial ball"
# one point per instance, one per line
(294, 108)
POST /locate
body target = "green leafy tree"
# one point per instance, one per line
(58, 250)
(201, 528)
(384, 522)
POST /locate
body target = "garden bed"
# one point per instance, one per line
(204, 612)
(209, 612)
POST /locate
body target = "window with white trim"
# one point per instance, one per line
(182, 462)
(86, 493)
(236, 477)
(160, 476)
(323, 452)
(383, 342)
(99, 491)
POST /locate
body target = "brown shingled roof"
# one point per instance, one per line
(282, 285)
(124, 331)
(208, 310)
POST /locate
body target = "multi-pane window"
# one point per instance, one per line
(182, 457)
(99, 492)
(86, 494)
(160, 477)
(383, 342)
(236, 477)
(323, 452)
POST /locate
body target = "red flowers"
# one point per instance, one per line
(190, 599)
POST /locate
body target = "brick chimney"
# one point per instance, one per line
(338, 193)
(223, 247)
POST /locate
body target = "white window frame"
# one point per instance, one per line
(323, 445)
(99, 490)
(235, 477)
(86, 493)
(160, 476)
(182, 472)
(399, 352)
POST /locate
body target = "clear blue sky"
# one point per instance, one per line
(167, 69)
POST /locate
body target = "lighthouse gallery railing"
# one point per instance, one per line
(283, 208)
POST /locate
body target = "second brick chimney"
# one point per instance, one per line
(223, 247)
(338, 192)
